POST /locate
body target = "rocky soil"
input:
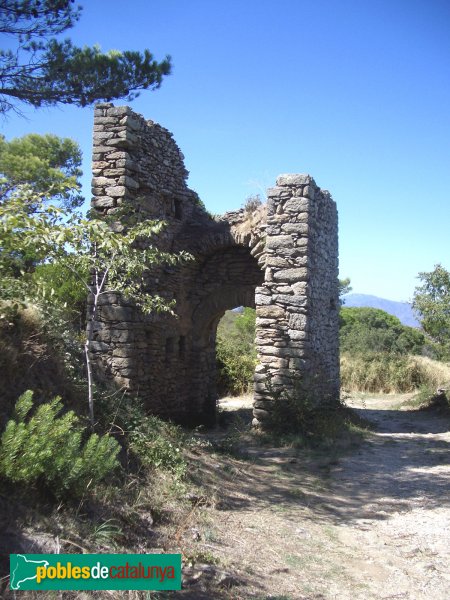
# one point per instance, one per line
(372, 522)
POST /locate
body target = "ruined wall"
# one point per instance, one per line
(281, 259)
(297, 305)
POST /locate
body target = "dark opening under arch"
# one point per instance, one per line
(227, 278)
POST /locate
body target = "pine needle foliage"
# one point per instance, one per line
(48, 448)
(40, 69)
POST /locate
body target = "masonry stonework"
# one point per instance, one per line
(280, 258)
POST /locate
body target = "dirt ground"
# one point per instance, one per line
(365, 519)
(368, 522)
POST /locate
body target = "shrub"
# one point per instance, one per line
(252, 203)
(155, 448)
(48, 448)
(236, 368)
(366, 330)
(432, 305)
(39, 351)
(430, 397)
(66, 290)
(236, 352)
(156, 443)
(434, 373)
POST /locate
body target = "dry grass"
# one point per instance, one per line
(253, 218)
(435, 373)
(384, 373)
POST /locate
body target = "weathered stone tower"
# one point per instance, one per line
(281, 259)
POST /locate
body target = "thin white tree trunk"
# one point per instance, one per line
(87, 350)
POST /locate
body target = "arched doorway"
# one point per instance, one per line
(226, 278)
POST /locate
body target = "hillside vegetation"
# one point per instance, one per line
(401, 310)
(378, 354)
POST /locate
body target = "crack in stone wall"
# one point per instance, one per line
(281, 259)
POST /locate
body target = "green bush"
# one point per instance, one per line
(155, 442)
(292, 411)
(367, 330)
(47, 447)
(155, 448)
(432, 305)
(56, 281)
(430, 397)
(295, 419)
(236, 352)
(39, 352)
(235, 369)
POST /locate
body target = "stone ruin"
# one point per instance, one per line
(280, 258)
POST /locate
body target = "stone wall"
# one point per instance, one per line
(280, 258)
(297, 305)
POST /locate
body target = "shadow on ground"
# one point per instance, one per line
(405, 458)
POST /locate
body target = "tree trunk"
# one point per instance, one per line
(87, 349)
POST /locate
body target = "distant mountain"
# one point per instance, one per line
(401, 310)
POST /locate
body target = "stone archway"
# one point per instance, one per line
(280, 258)
(226, 278)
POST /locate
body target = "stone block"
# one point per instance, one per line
(292, 179)
(260, 414)
(125, 352)
(270, 312)
(297, 205)
(128, 182)
(297, 335)
(123, 363)
(103, 202)
(309, 192)
(297, 322)
(291, 275)
(277, 261)
(279, 241)
(102, 181)
(99, 136)
(118, 111)
(263, 300)
(117, 313)
(116, 191)
(96, 346)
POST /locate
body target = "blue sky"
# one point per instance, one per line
(356, 93)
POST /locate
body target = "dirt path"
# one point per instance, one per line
(372, 524)
(394, 501)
